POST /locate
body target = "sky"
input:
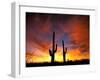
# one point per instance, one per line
(72, 28)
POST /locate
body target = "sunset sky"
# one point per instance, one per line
(73, 29)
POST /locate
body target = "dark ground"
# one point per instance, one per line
(77, 62)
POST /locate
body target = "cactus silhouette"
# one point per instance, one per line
(64, 52)
(54, 49)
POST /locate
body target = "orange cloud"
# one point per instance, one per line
(75, 54)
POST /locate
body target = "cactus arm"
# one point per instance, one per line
(55, 51)
(63, 45)
(50, 52)
(56, 47)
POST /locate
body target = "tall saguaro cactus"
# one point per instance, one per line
(54, 49)
(64, 51)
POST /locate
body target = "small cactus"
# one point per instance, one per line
(64, 52)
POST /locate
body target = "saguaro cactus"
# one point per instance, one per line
(64, 52)
(54, 49)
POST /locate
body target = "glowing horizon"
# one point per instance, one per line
(71, 55)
